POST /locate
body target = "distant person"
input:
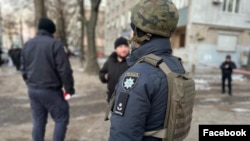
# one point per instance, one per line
(1, 59)
(46, 69)
(227, 69)
(16, 55)
(115, 65)
(10, 52)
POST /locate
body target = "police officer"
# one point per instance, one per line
(227, 69)
(46, 69)
(141, 93)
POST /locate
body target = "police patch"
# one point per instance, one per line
(130, 80)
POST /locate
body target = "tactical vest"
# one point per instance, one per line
(180, 102)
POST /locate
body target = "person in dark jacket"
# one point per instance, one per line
(1, 59)
(115, 65)
(141, 93)
(227, 70)
(46, 70)
(15, 54)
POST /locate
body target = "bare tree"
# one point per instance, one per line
(40, 10)
(14, 19)
(21, 32)
(82, 15)
(1, 32)
(10, 27)
(60, 22)
(92, 66)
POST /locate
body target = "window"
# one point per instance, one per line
(231, 6)
(227, 42)
(182, 40)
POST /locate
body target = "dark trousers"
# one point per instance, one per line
(227, 77)
(44, 102)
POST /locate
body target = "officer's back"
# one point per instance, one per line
(141, 94)
(43, 57)
(46, 69)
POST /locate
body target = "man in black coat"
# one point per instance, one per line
(115, 65)
(15, 55)
(46, 70)
(1, 60)
(227, 69)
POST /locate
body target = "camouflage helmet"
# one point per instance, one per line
(158, 17)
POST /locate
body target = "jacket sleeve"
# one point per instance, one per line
(103, 72)
(131, 126)
(64, 68)
(222, 66)
(233, 66)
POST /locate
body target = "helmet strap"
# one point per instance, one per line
(140, 40)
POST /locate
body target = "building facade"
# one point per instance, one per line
(117, 21)
(209, 30)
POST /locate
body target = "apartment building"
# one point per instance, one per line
(208, 30)
(117, 21)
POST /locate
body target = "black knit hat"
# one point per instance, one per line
(228, 57)
(120, 41)
(47, 24)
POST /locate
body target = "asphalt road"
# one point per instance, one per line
(88, 106)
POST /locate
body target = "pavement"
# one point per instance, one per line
(88, 106)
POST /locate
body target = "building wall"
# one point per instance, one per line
(207, 50)
(205, 24)
(210, 23)
(205, 12)
(117, 21)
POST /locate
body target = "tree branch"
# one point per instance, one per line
(82, 10)
(97, 5)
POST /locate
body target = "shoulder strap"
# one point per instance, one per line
(155, 61)
(158, 62)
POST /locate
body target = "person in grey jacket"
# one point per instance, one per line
(141, 93)
(46, 70)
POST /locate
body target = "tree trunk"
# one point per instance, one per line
(21, 32)
(82, 17)
(60, 22)
(1, 29)
(92, 66)
(10, 37)
(40, 10)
